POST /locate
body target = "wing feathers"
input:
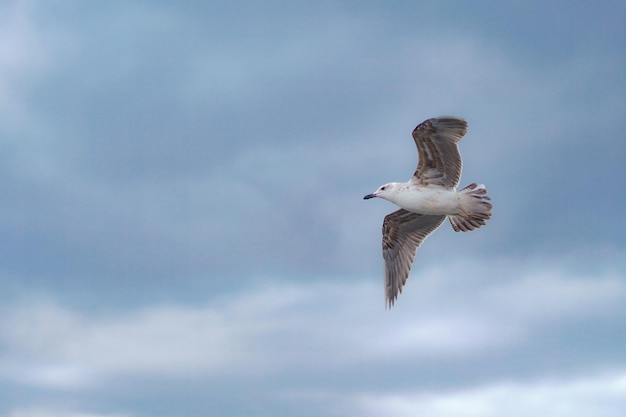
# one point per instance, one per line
(439, 158)
(403, 233)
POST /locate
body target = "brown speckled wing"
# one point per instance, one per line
(439, 159)
(403, 233)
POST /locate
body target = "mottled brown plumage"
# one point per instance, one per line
(403, 233)
(438, 152)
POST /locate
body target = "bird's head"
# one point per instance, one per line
(384, 191)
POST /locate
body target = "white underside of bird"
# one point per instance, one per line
(430, 199)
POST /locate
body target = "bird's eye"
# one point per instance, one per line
(382, 188)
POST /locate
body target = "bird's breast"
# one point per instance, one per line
(429, 200)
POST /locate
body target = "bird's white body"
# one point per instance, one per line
(431, 199)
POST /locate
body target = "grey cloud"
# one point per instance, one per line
(173, 171)
(471, 330)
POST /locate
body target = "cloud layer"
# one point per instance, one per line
(463, 339)
(182, 224)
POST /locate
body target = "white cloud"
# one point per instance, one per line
(599, 395)
(555, 295)
(57, 347)
(445, 314)
(20, 51)
(27, 51)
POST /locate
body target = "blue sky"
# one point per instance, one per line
(182, 230)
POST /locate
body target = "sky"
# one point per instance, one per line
(182, 229)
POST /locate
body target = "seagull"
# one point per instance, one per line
(427, 199)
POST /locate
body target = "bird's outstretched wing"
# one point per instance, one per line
(403, 233)
(439, 159)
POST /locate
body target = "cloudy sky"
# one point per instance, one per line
(182, 230)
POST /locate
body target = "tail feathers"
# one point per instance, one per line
(475, 207)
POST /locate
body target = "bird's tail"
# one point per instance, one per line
(475, 207)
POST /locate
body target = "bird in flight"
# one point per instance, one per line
(427, 199)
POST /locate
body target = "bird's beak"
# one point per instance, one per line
(367, 197)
